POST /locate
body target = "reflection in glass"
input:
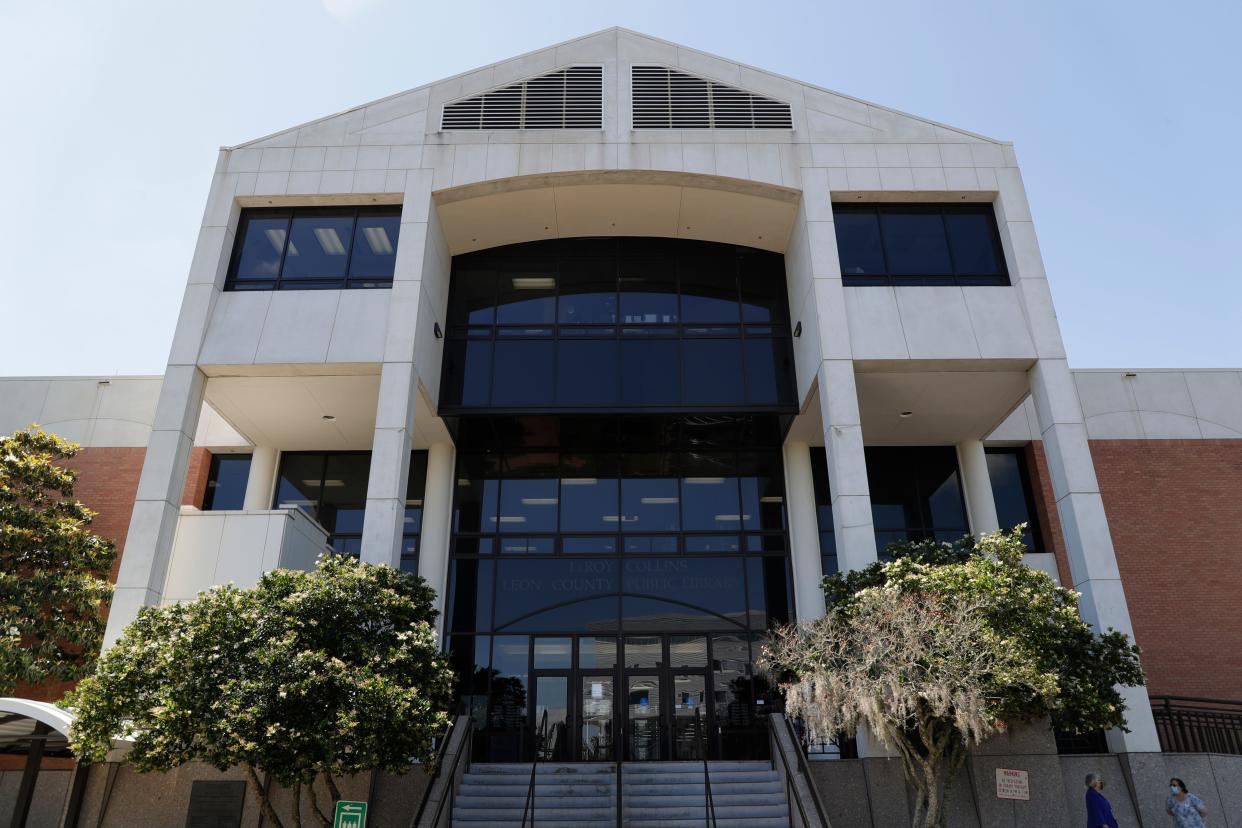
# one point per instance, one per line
(318, 247)
(262, 245)
(689, 716)
(644, 652)
(553, 653)
(226, 482)
(552, 719)
(526, 297)
(645, 738)
(597, 652)
(915, 242)
(858, 242)
(375, 246)
(597, 712)
(506, 715)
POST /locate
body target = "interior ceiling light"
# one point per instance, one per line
(377, 237)
(276, 238)
(329, 241)
(533, 282)
(704, 481)
(539, 501)
(578, 481)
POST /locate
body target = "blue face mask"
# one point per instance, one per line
(1175, 789)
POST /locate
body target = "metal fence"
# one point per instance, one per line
(1187, 724)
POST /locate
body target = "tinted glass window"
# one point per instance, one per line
(858, 243)
(1014, 494)
(523, 373)
(262, 245)
(588, 293)
(708, 375)
(315, 247)
(709, 290)
(375, 246)
(649, 372)
(527, 296)
(629, 322)
(586, 372)
(913, 244)
(648, 292)
(915, 494)
(226, 481)
(332, 488)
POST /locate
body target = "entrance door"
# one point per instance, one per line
(645, 725)
(691, 717)
(551, 719)
(596, 718)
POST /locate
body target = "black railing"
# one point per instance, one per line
(791, 789)
(620, 796)
(463, 752)
(1189, 724)
(529, 806)
(709, 807)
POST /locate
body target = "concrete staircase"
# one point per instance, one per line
(580, 794)
(656, 795)
(671, 795)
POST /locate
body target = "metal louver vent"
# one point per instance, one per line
(664, 98)
(568, 99)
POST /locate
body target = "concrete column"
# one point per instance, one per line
(803, 531)
(261, 480)
(847, 465)
(1093, 562)
(157, 506)
(408, 345)
(384, 520)
(972, 462)
(433, 543)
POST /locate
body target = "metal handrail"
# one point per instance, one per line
(619, 763)
(541, 735)
(463, 750)
(709, 807)
(1192, 724)
(803, 768)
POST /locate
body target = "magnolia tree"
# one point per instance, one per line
(53, 569)
(943, 647)
(308, 676)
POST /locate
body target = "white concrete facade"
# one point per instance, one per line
(963, 360)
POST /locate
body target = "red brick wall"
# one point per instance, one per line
(107, 483)
(1175, 511)
(1175, 514)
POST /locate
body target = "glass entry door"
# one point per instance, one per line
(645, 723)
(596, 718)
(551, 719)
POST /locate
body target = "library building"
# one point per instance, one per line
(623, 347)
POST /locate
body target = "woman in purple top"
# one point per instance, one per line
(1099, 811)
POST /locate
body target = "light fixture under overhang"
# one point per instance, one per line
(905, 415)
(328, 418)
(534, 282)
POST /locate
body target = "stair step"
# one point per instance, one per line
(472, 800)
(746, 822)
(720, 799)
(541, 814)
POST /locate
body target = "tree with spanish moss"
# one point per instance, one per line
(941, 648)
(53, 570)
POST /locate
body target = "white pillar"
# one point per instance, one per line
(261, 479)
(1092, 559)
(157, 506)
(803, 531)
(972, 462)
(433, 541)
(384, 520)
(847, 465)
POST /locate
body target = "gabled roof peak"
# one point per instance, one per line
(832, 108)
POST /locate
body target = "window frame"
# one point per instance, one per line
(1029, 484)
(891, 279)
(280, 282)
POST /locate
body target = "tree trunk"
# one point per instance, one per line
(264, 803)
(332, 789)
(297, 805)
(315, 804)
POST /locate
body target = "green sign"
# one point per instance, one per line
(350, 815)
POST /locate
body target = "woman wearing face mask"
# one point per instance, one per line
(1186, 809)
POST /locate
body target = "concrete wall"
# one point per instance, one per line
(160, 800)
(869, 792)
(221, 547)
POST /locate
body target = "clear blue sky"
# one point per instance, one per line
(1126, 117)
